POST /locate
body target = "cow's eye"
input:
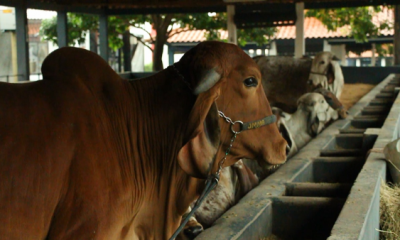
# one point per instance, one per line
(251, 82)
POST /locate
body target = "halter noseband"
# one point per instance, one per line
(248, 125)
(325, 73)
(322, 74)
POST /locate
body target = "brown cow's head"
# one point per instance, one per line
(322, 71)
(223, 72)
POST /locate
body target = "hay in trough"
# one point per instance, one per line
(353, 92)
(390, 212)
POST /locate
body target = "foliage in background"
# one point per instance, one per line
(148, 67)
(79, 24)
(385, 49)
(166, 25)
(357, 19)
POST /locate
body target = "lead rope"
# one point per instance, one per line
(211, 182)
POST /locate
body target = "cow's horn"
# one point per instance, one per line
(207, 80)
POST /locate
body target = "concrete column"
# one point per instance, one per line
(340, 52)
(62, 29)
(326, 47)
(103, 29)
(8, 57)
(383, 62)
(373, 59)
(299, 45)
(273, 51)
(22, 43)
(232, 33)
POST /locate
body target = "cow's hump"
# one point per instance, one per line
(70, 63)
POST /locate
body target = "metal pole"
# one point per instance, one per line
(126, 37)
(62, 29)
(22, 42)
(171, 52)
(103, 25)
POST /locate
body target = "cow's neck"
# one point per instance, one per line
(161, 107)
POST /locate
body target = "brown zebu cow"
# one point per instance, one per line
(85, 154)
(313, 112)
(286, 79)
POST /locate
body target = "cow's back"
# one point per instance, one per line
(55, 141)
(284, 80)
(36, 148)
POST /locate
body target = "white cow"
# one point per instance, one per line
(313, 113)
(235, 181)
(326, 72)
(392, 155)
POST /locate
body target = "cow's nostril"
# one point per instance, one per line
(193, 231)
(309, 82)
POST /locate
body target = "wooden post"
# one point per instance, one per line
(299, 46)
(22, 42)
(62, 29)
(232, 35)
(396, 39)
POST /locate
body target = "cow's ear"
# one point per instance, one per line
(202, 137)
(330, 74)
(334, 58)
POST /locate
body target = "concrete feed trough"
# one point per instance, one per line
(330, 188)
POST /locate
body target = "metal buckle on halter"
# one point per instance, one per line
(240, 127)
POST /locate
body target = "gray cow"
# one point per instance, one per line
(286, 79)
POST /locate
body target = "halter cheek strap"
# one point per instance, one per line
(259, 123)
(248, 125)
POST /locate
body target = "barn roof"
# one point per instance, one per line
(313, 28)
(164, 6)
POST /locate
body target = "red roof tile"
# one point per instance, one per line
(34, 26)
(193, 36)
(313, 28)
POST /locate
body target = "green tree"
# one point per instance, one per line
(78, 24)
(358, 19)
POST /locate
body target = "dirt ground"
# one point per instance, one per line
(354, 92)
